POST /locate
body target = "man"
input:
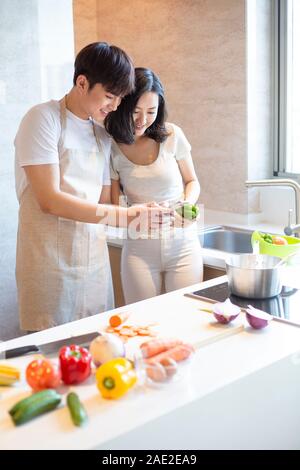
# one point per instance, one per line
(63, 184)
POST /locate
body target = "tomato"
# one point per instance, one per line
(279, 240)
(42, 373)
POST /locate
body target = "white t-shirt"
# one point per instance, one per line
(36, 142)
(159, 181)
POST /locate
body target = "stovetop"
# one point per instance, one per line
(286, 305)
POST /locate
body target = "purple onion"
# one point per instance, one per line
(256, 318)
(225, 312)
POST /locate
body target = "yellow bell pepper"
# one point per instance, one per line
(115, 377)
(8, 374)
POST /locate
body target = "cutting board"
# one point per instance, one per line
(183, 318)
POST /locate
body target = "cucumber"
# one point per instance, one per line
(32, 398)
(77, 411)
(35, 405)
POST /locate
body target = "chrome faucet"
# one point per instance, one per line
(290, 229)
(283, 182)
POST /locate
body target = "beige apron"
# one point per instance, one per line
(62, 268)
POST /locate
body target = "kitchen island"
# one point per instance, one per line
(239, 392)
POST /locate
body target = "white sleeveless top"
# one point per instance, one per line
(159, 181)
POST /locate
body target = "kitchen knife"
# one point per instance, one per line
(51, 347)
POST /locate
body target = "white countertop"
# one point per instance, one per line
(250, 358)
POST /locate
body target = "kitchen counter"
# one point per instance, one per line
(237, 393)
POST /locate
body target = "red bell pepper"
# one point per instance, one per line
(75, 364)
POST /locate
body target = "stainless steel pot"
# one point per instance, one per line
(254, 276)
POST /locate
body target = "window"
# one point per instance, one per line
(56, 45)
(287, 155)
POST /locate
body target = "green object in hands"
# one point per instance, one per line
(188, 211)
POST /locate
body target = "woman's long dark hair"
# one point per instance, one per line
(120, 125)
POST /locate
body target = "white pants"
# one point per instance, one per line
(146, 263)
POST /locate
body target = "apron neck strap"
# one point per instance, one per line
(96, 136)
(63, 119)
(63, 122)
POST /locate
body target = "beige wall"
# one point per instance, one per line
(198, 48)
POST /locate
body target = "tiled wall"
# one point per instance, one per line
(198, 47)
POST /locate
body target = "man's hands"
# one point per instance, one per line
(144, 218)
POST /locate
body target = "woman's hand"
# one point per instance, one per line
(186, 214)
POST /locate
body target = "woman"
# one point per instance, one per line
(63, 187)
(151, 161)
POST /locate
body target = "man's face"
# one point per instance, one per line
(100, 102)
(97, 102)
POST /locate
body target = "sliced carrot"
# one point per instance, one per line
(109, 329)
(118, 328)
(118, 319)
(143, 332)
(127, 332)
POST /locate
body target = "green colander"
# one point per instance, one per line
(281, 251)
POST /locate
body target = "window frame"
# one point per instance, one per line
(280, 84)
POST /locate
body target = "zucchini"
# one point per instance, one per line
(35, 405)
(77, 410)
(31, 399)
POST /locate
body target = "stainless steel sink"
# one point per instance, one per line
(227, 239)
